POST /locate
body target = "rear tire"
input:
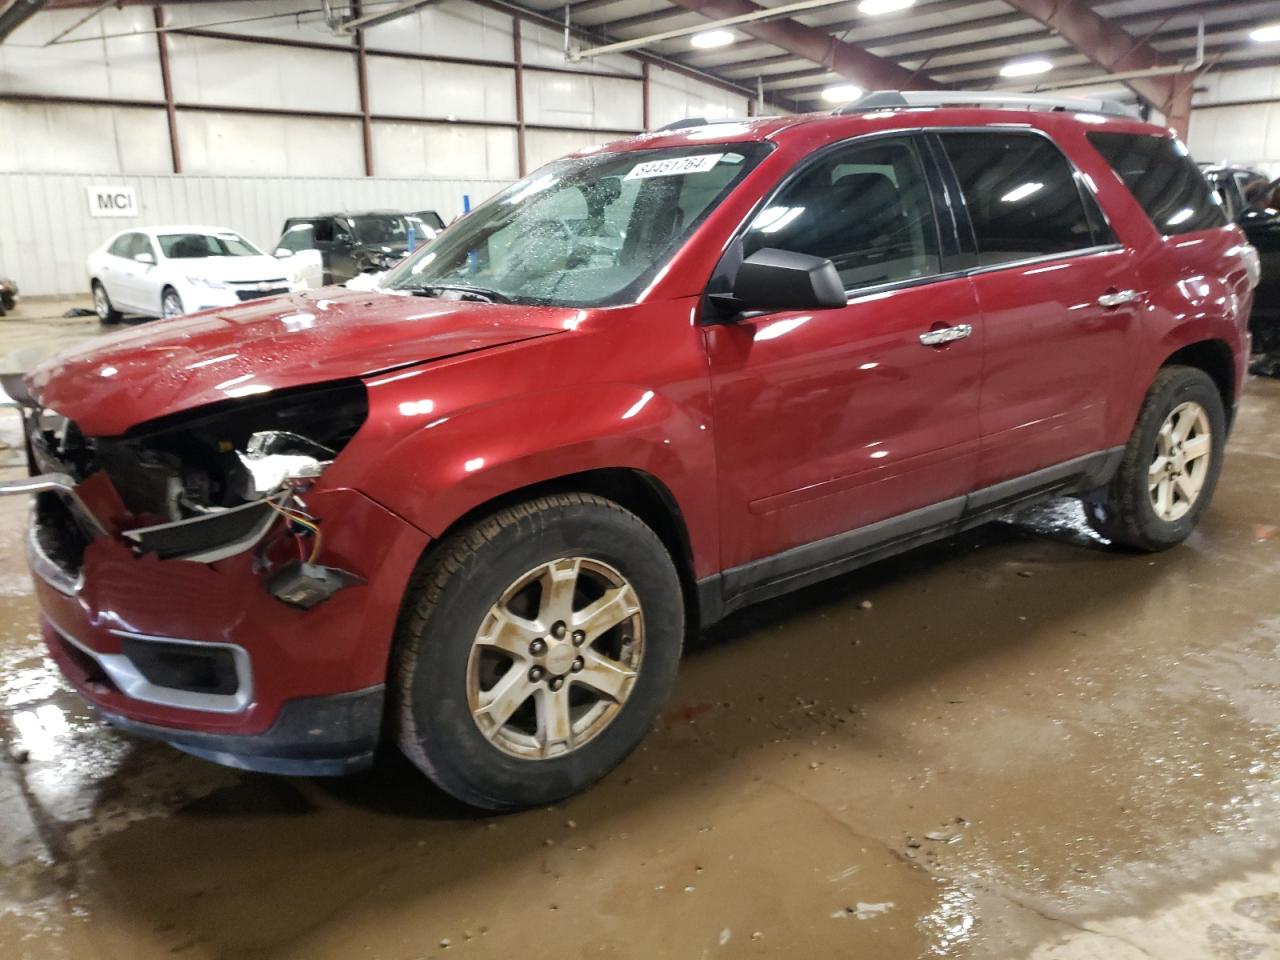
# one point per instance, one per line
(107, 314)
(1170, 465)
(496, 682)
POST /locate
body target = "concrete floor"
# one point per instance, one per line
(1014, 744)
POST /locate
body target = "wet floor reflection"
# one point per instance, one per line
(1016, 743)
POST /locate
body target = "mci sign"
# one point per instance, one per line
(112, 201)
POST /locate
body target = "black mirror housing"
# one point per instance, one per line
(772, 279)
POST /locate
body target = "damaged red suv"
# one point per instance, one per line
(475, 513)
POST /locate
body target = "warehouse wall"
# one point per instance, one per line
(266, 130)
(46, 232)
(1236, 118)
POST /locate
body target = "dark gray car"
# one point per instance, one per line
(351, 243)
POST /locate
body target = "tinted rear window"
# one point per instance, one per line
(1163, 179)
(1022, 196)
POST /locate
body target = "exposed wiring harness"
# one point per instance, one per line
(308, 522)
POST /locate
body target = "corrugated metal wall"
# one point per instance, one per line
(249, 172)
(46, 231)
(1230, 123)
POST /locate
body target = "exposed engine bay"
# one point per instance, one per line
(202, 485)
(226, 456)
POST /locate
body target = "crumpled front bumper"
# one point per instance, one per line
(276, 688)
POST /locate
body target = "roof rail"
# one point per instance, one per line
(891, 99)
(698, 122)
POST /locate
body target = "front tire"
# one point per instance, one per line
(107, 314)
(170, 304)
(1170, 465)
(535, 648)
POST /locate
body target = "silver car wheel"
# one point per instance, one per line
(101, 304)
(555, 658)
(1184, 450)
(171, 305)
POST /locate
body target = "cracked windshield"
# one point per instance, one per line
(580, 232)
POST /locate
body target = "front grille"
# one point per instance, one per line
(258, 294)
(255, 289)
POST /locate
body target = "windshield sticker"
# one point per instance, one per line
(674, 166)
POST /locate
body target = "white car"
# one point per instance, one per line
(169, 271)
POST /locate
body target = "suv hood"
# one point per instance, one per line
(109, 384)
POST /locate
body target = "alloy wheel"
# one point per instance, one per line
(171, 306)
(1184, 450)
(555, 658)
(101, 305)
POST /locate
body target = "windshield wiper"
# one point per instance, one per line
(480, 294)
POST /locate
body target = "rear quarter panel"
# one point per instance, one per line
(1195, 284)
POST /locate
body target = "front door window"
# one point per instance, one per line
(866, 208)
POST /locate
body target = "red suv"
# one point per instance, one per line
(476, 512)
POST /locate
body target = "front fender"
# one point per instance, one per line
(455, 461)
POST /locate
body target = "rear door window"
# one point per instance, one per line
(1023, 196)
(1163, 179)
(866, 207)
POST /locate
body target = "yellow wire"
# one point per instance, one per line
(313, 527)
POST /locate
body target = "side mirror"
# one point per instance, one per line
(772, 279)
(281, 253)
(146, 258)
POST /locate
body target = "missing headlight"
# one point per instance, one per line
(225, 455)
(274, 458)
(209, 484)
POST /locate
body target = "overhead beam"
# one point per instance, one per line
(587, 6)
(590, 34)
(848, 60)
(364, 21)
(639, 20)
(1116, 51)
(18, 13)
(753, 16)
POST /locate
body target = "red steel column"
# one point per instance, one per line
(162, 42)
(362, 79)
(644, 95)
(518, 53)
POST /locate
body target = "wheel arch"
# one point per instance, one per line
(638, 491)
(1213, 357)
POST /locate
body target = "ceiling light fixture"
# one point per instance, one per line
(1268, 34)
(1026, 68)
(874, 7)
(842, 93)
(712, 38)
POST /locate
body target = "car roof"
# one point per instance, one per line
(348, 214)
(179, 228)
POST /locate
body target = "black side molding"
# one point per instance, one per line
(732, 589)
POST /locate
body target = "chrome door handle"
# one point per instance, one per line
(936, 338)
(1118, 298)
